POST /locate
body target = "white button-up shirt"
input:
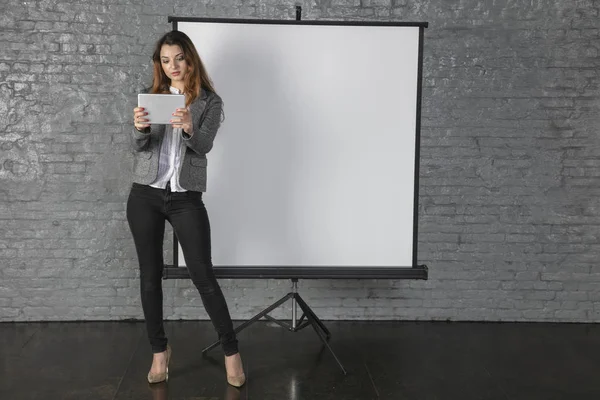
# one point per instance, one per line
(169, 159)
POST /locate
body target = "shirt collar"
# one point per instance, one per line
(203, 94)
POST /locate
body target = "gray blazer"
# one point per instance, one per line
(206, 112)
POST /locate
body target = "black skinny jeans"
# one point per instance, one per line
(147, 210)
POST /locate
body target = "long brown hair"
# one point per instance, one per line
(196, 78)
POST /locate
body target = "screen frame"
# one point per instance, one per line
(415, 271)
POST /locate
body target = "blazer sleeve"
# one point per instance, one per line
(141, 139)
(205, 127)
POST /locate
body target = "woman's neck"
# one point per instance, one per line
(179, 86)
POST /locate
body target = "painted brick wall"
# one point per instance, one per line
(510, 175)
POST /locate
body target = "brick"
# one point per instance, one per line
(509, 168)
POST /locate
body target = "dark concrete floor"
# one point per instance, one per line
(384, 360)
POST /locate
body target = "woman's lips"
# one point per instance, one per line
(175, 73)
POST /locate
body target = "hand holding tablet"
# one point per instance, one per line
(182, 119)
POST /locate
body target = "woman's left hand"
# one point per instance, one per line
(183, 120)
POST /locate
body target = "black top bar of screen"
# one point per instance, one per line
(295, 22)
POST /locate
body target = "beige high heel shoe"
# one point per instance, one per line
(236, 381)
(161, 376)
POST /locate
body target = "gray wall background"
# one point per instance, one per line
(510, 167)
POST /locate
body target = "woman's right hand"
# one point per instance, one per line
(138, 118)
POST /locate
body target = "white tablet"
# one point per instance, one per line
(160, 107)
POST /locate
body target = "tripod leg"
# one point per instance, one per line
(309, 313)
(316, 323)
(324, 340)
(253, 319)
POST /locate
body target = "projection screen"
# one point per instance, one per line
(315, 166)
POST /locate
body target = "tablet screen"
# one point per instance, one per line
(160, 107)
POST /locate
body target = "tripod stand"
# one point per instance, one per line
(296, 324)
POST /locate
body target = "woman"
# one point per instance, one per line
(169, 178)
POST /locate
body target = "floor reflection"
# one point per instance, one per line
(160, 391)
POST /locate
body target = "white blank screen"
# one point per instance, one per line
(314, 162)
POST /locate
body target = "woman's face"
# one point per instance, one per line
(173, 62)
